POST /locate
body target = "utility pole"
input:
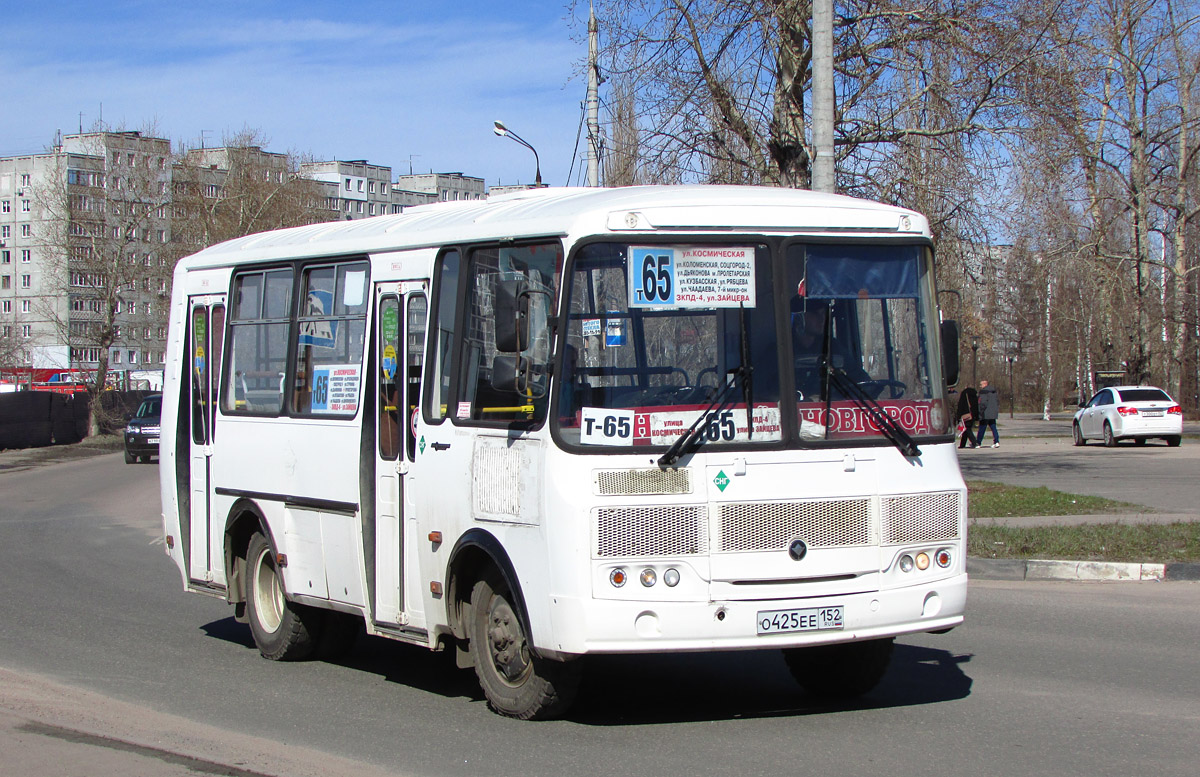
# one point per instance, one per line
(823, 174)
(593, 102)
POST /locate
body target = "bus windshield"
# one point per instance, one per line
(663, 337)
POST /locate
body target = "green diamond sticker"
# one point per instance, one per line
(422, 443)
(721, 480)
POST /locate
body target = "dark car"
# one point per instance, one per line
(141, 431)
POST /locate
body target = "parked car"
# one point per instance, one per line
(1129, 412)
(141, 431)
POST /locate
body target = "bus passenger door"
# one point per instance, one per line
(399, 355)
(206, 330)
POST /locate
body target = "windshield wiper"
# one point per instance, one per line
(693, 437)
(747, 373)
(892, 430)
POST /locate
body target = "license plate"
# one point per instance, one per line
(814, 619)
(152, 440)
(1152, 413)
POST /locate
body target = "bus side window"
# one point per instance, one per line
(258, 336)
(390, 373)
(332, 333)
(441, 341)
(418, 311)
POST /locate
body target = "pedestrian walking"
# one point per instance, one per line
(968, 411)
(989, 411)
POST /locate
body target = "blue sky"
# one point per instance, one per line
(370, 79)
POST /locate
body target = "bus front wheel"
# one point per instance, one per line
(842, 671)
(282, 630)
(516, 681)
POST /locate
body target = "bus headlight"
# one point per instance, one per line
(671, 577)
(922, 561)
(649, 577)
(906, 563)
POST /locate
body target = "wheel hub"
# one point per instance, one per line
(506, 643)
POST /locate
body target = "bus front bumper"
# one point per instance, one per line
(608, 626)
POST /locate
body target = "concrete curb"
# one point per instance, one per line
(1042, 569)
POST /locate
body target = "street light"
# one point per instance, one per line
(505, 132)
(974, 361)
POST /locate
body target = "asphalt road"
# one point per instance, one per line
(1058, 678)
(1038, 453)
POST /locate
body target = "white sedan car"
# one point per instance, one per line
(1129, 412)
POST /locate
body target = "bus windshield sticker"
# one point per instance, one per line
(590, 327)
(691, 277)
(335, 389)
(604, 426)
(608, 426)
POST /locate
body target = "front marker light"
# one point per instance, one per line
(617, 577)
(906, 563)
(649, 577)
(922, 561)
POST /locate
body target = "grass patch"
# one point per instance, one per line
(1158, 543)
(999, 500)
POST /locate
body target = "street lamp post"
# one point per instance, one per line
(974, 361)
(1011, 398)
(505, 132)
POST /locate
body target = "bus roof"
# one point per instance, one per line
(577, 211)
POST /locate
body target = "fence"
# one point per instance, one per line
(33, 419)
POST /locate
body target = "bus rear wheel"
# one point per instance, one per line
(842, 671)
(283, 631)
(517, 682)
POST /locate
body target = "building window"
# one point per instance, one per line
(116, 357)
(26, 281)
(7, 306)
(24, 306)
(5, 231)
(5, 281)
(133, 356)
(26, 230)
(5, 206)
(349, 185)
(5, 257)
(24, 206)
(24, 179)
(26, 255)
(26, 330)
(8, 331)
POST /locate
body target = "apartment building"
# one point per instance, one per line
(85, 230)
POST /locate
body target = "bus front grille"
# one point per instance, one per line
(641, 482)
(651, 531)
(919, 517)
(754, 526)
(739, 527)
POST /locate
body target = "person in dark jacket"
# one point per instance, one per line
(968, 411)
(989, 411)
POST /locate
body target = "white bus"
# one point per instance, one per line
(573, 421)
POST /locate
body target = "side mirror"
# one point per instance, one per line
(516, 374)
(950, 351)
(510, 305)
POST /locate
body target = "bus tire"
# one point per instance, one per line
(516, 681)
(282, 630)
(842, 671)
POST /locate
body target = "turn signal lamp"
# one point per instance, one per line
(617, 577)
(1127, 410)
(922, 561)
(942, 557)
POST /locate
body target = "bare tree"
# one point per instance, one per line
(239, 189)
